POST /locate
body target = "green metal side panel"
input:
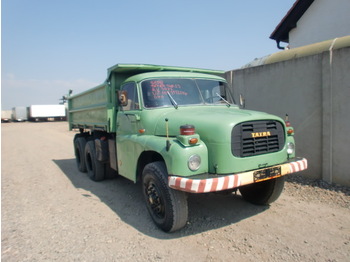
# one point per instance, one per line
(91, 109)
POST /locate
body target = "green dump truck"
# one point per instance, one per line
(178, 131)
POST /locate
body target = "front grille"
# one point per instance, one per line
(257, 137)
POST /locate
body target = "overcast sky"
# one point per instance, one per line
(51, 46)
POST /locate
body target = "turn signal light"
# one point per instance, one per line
(290, 131)
(193, 141)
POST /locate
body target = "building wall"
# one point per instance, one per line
(314, 91)
(323, 20)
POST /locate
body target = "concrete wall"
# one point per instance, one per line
(315, 92)
(323, 20)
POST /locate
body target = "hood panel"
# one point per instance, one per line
(212, 123)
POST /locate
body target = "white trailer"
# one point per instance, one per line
(6, 116)
(19, 114)
(46, 112)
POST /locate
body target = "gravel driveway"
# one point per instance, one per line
(52, 212)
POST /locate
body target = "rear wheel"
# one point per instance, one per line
(263, 193)
(79, 148)
(95, 168)
(167, 207)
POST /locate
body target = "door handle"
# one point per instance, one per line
(137, 116)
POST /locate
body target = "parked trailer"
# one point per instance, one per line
(46, 112)
(19, 114)
(6, 116)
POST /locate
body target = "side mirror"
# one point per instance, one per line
(241, 101)
(123, 98)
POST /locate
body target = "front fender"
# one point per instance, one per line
(176, 158)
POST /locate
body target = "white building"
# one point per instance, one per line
(312, 21)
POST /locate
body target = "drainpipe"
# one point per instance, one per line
(279, 46)
(327, 115)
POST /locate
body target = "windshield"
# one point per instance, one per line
(179, 91)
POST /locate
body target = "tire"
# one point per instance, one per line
(95, 169)
(79, 149)
(263, 193)
(167, 207)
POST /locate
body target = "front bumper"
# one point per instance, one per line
(234, 180)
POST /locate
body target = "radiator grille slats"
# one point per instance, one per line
(256, 138)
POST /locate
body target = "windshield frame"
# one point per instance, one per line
(169, 96)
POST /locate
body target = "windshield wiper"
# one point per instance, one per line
(223, 99)
(172, 100)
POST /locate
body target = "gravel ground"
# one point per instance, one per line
(318, 191)
(52, 212)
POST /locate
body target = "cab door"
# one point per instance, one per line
(128, 121)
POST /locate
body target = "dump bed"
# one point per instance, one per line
(91, 109)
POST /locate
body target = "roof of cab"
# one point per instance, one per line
(134, 69)
(172, 74)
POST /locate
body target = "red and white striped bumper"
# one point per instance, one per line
(230, 181)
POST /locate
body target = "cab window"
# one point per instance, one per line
(133, 100)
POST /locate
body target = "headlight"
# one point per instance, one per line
(194, 162)
(290, 148)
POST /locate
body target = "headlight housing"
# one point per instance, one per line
(194, 162)
(290, 148)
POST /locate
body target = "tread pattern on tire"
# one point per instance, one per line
(95, 169)
(79, 150)
(176, 201)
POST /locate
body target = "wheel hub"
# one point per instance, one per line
(154, 199)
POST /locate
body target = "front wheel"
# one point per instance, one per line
(263, 193)
(167, 207)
